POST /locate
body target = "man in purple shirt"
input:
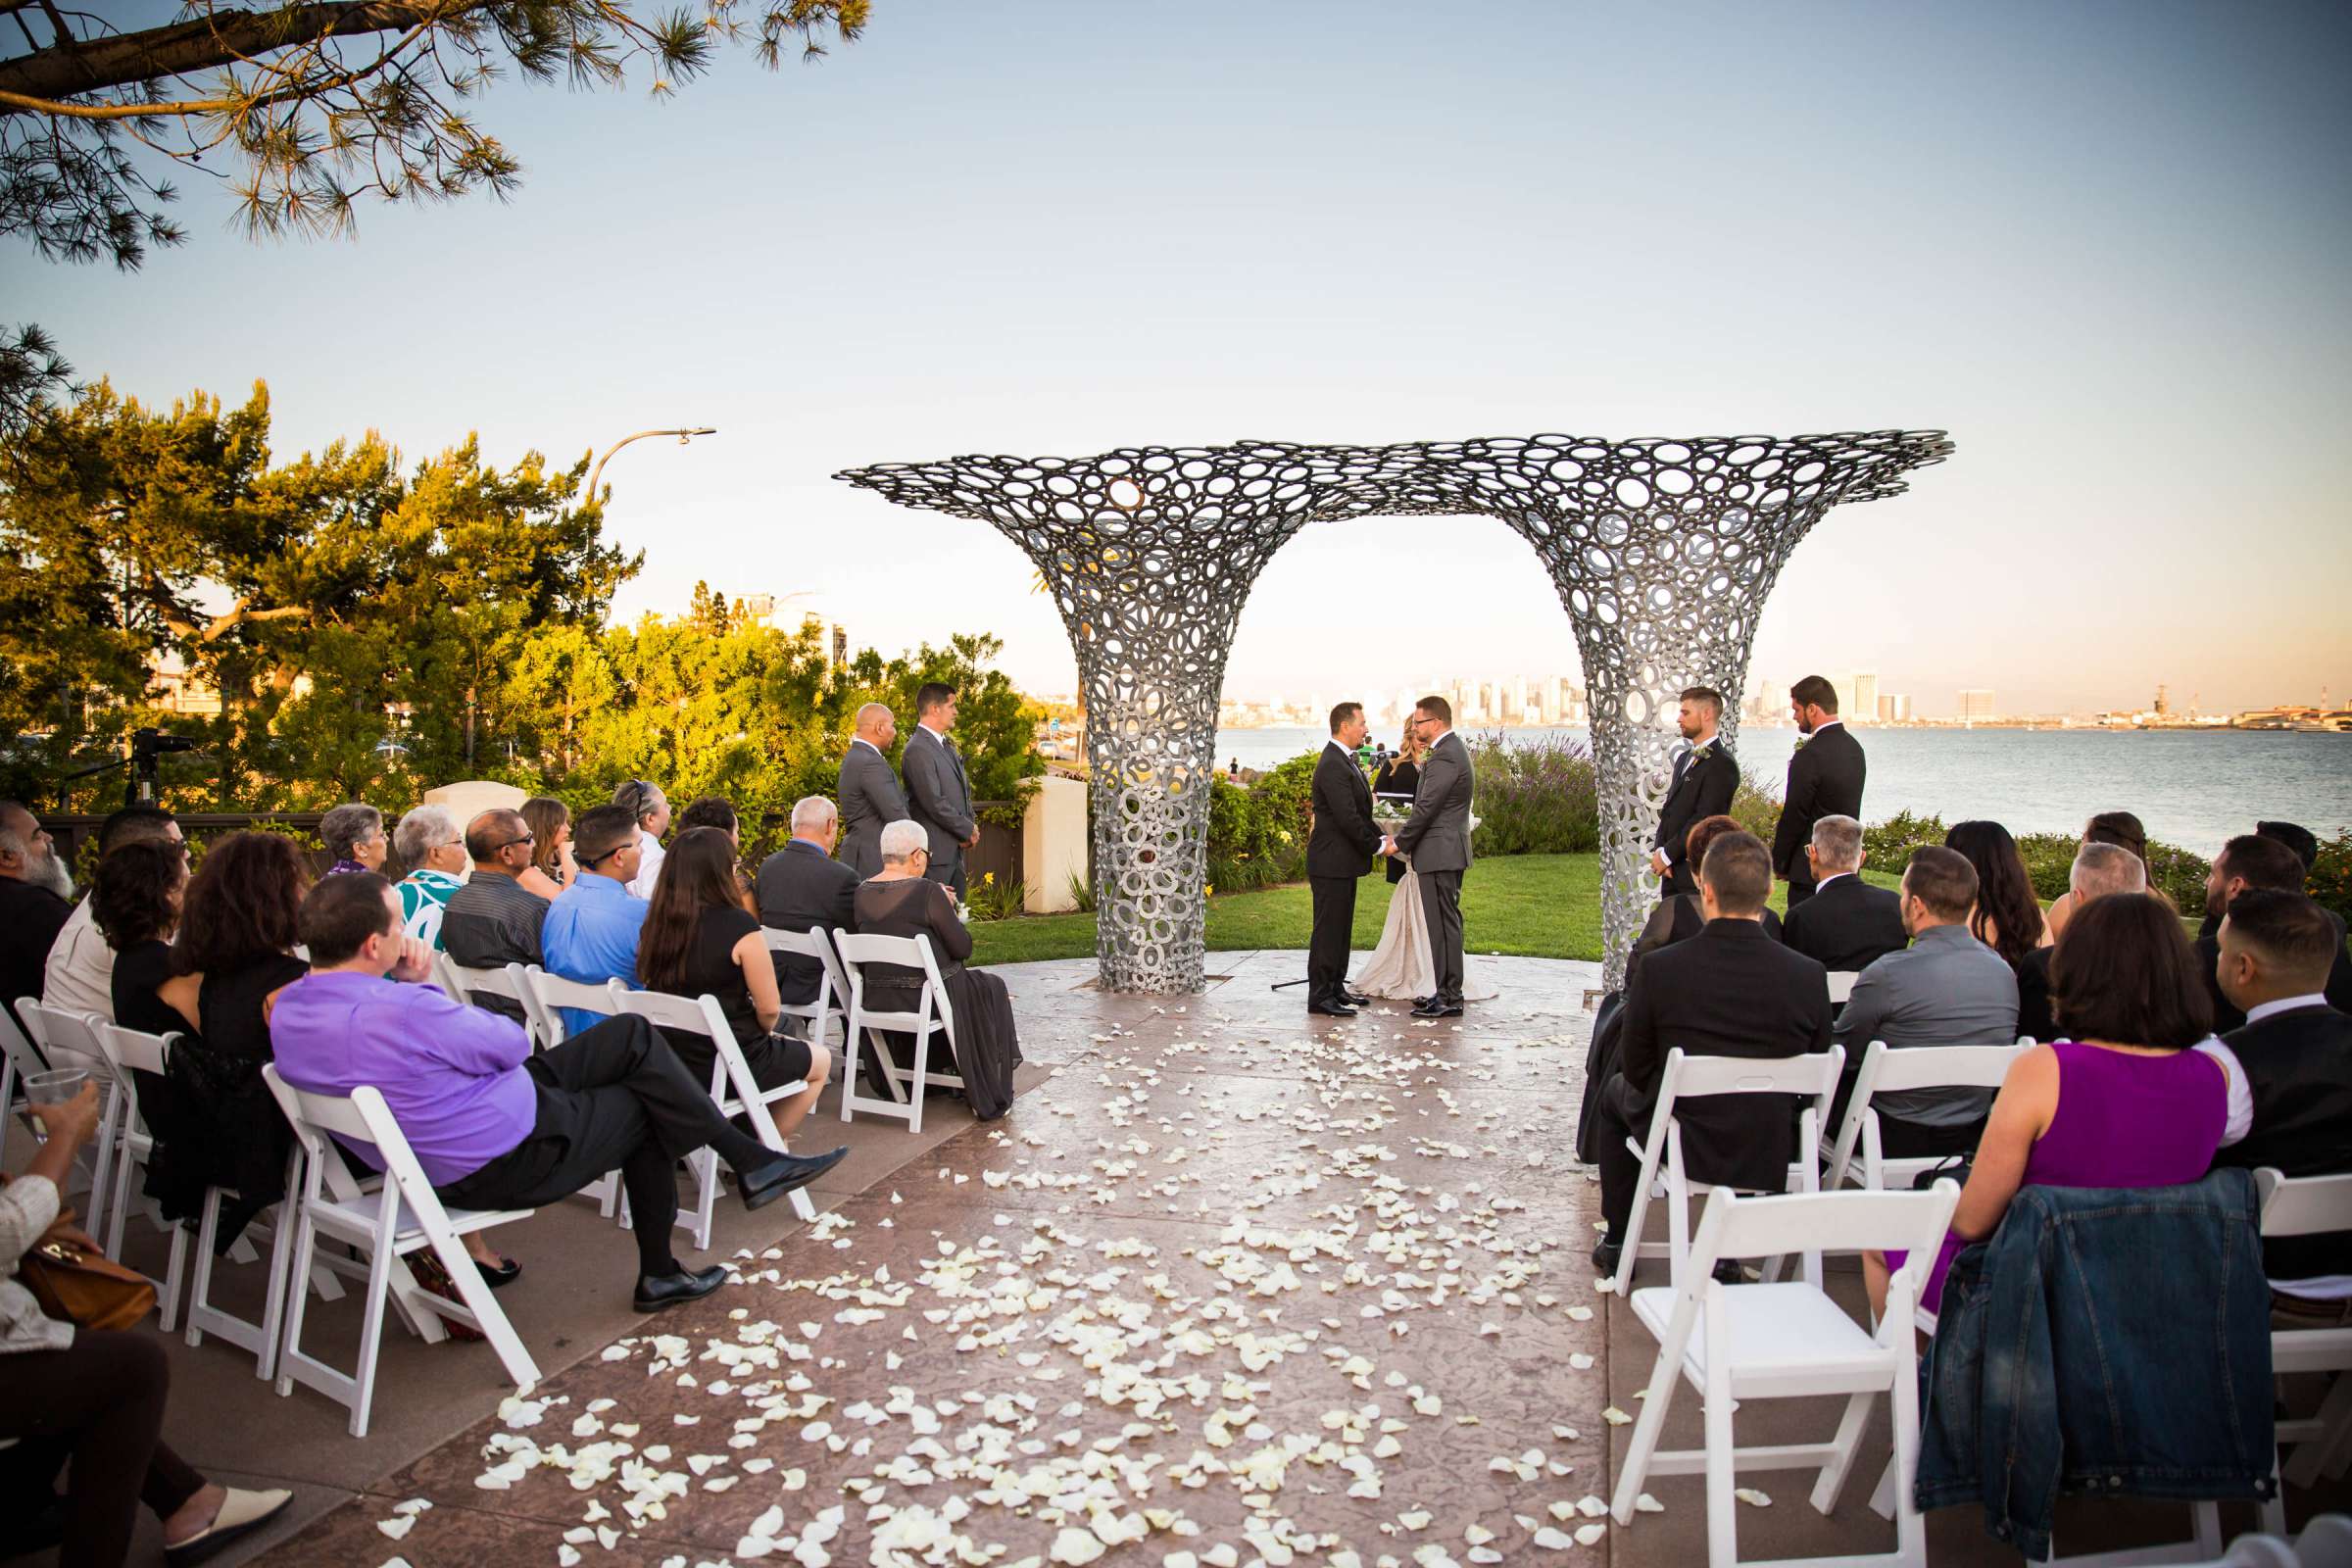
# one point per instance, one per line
(493, 1125)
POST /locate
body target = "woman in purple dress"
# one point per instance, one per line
(2122, 1101)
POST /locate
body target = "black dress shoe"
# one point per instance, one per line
(499, 1278)
(1424, 1002)
(1727, 1269)
(1606, 1254)
(1331, 1007)
(658, 1290)
(1437, 1008)
(1354, 997)
(780, 1175)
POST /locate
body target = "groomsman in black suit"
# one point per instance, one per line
(1705, 779)
(1340, 849)
(1825, 779)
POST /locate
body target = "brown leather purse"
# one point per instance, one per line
(70, 1274)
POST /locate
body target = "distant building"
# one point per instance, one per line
(1894, 708)
(1976, 704)
(1866, 696)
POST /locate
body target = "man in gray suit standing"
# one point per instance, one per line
(938, 795)
(1437, 840)
(870, 791)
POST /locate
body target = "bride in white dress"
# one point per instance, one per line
(1401, 968)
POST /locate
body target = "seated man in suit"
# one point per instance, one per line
(2290, 1083)
(802, 887)
(1731, 991)
(2099, 870)
(1846, 925)
(2257, 861)
(494, 920)
(1945, 989)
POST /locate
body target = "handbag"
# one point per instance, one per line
(76, 1281)
(1956, 1166)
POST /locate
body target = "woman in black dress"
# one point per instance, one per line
(135, 901)
(899, 900)
(1400, 774)
(699, 940)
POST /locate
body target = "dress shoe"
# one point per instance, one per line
(241, 1513)
(658, 1290)
(1606, 1254)
(1726, 1270)
(767, 1182)
(1354, 997)
(505, 1274)
(1331, 1007)
(1424, 1002)
(1437, 1007)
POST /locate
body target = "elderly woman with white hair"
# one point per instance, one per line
(354, 834)
(428, 843)
(899, 900)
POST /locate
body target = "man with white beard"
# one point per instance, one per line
(35, 902)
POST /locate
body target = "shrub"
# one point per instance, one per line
(991, 900)
(1535, 800)
(1257, 836)
(2331, 880)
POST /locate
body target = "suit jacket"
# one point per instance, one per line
(2298, 1065)
(1343, 841)
(1731, 991)
(1700, 790)
(1436, 836)
(2227, 1017)
(1849, 924)
(801, 887)
(1825, 779)
(940, 797)
(870, 798)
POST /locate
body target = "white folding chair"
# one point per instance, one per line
(732, 1086)
(18, 1059)
(1813, 1075)
(933, 1014)
(544, 996)
(1841, 985)
(2321, 1442)
(1787, 1341)
(1886, 1070)
(128, 1051)
(464, 984)
(68, 1038)
(831, 1004)
(404, 1215)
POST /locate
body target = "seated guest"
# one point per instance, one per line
(649, 808)
(2258, 860)
(2292, 1100)
(1731, 991)
(353, 835)
(551, 870)
(2119, 828)
(1846, 925)
(493, 920)
(713, 810)
(79, 975)
(2120, 1100)
(900, 901)
(136, 902)
(2100, 870)
(591, 929)
(428, 844)
(34, 893)
(1681, 916)
(2008, 917)
(1945, 989)
(2295, 837)
(699, 940)
(494, 1124)
(803, 887)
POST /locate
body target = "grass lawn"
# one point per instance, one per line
(1527, 905)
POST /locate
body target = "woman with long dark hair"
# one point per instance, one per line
(136, 902)
(2119, 828)
(700, 939)
(2008, 916)
(551, 870)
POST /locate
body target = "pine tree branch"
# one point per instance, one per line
(37, 83)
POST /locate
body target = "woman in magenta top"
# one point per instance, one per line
(2122, 1101)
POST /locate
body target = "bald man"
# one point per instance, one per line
(869, 794)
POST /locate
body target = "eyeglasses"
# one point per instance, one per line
(511, 843)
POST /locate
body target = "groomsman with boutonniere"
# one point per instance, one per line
(1826, 775)
(1705, 779)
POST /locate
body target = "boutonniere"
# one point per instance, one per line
(1801, 740)
(1700, 754)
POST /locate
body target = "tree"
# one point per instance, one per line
(31, 369)
(305, 107)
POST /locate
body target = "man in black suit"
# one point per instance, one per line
(1705, 779)
(1846, 925)
(1825, 779)
(2100, 870)
(802, 887)
(2256, 861)
(1436, 839)
(1340, 849)
(1731, 991)
(2293, 1057)
(2296, 837)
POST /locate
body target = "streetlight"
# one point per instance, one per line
(684, 438)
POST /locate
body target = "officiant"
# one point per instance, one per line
(1340, 849)
(1397, 782)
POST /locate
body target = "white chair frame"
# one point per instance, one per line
(404, 1215)
(543, 994)
(1841, 985)
(506, 980)
(832, 1003)
(67, 1038)
(933, 1014)
(1812, 1075)
(20, 1058)
(1890, 1069)
(1787, 1341)
(128, 1051)
(732, 1087)
(2321, 1442)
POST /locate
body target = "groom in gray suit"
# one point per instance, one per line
(938, 794)
(869, 794)
(1436, 839)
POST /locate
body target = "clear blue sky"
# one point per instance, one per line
(2106, 245)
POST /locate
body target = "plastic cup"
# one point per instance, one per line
(51, 1089)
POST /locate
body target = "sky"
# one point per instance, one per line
(2105, 245)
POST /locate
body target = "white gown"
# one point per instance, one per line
(1401, 967)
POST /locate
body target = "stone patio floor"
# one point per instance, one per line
(1228, 1286)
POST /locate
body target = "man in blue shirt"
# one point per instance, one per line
(592, 928)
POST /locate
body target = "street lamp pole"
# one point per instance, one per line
(684, 436)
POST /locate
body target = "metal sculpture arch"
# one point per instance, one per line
(1662, 551)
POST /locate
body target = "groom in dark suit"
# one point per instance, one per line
(1437, 838)
(1705, 779)
(1340, 848)
(1825, 779)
